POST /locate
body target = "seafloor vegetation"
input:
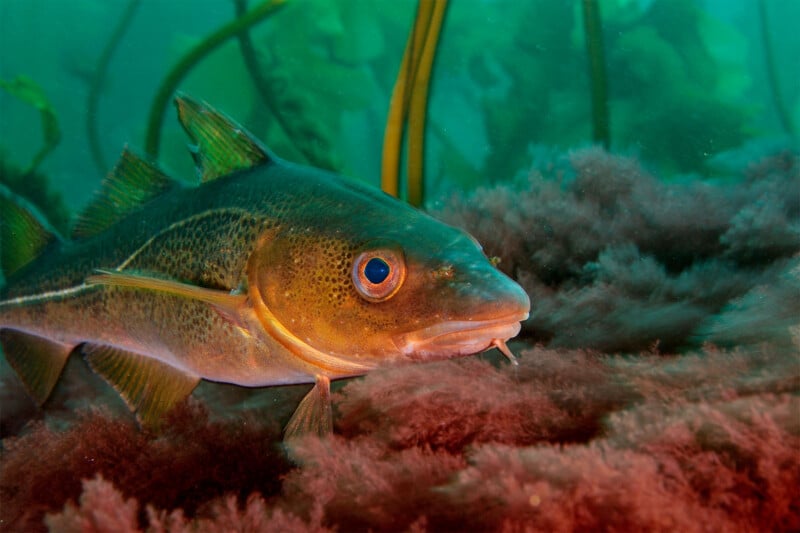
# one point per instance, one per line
(633, 263)
(570, 440)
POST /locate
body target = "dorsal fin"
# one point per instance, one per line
(132, 182)
(221, 146)
(23, 236)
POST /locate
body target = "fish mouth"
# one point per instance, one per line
(460, 337)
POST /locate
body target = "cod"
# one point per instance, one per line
(264, 273)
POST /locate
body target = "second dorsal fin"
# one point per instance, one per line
(131, 183)
(221, 145)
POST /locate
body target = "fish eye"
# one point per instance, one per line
(376, 270)
(378, 274)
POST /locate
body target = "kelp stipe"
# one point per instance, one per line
(99, 79)
(593, 29)
(29, 92)
(772, 73)
(266, 91)
(190, 60)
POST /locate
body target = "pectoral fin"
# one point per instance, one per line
(225, 303)
(313, 415)
(148, 386)
(37, 361)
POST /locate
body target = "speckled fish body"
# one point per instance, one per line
(267, 273)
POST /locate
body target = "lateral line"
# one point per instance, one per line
(44, 296)
(178, 224)
(71, 291)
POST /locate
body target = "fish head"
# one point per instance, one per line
(377, 281)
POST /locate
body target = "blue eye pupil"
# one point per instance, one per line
(376, 270)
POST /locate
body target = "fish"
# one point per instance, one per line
(262, 273)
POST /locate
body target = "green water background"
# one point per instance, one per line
(687, 82)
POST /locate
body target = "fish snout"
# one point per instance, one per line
(485, 320)
(510, 299)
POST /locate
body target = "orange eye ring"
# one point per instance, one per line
(378, 274)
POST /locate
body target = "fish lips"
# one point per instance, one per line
(455, 338)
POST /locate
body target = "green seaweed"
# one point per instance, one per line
(540, 64)
(319, 71)
(772, 72)
(673, 109)
(98, 81)
(190, 60)
(34, 186)
(28, 182)
(593, 28)
(673, 99)
(264, 89)
(28, 91)
(509, 78)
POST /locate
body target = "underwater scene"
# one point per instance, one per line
(413, 265)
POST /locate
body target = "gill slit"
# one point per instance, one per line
(334, 366)
(308, 354)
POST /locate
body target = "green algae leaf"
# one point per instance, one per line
(28, 91)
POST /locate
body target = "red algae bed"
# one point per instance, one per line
(695, 428)
(569, 440)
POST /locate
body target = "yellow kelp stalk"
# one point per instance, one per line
(409, 102)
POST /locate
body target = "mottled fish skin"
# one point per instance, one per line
(279, 242)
